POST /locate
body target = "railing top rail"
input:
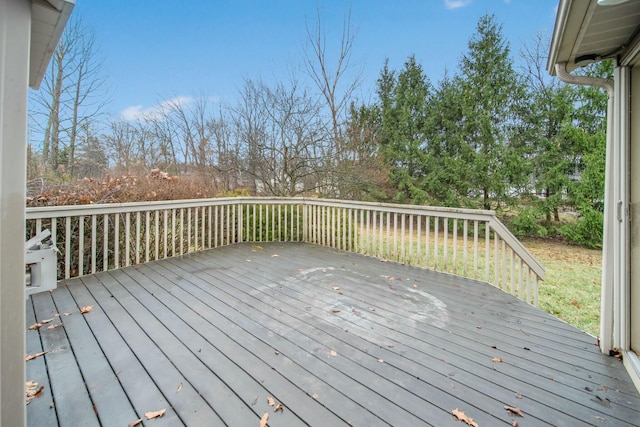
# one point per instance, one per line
(518, 247)
(97, 209)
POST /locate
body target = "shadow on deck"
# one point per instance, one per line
(336, 338)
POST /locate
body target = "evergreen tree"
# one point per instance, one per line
(404, 108)
(491, 97)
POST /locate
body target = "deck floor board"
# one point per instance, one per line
(337, 338)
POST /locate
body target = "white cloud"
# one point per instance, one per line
(155, 112)
(456, 4)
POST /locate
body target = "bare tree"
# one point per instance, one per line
(71, 95)
(337, 83)
(283, 134)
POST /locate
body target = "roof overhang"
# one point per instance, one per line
(586, 32)
(48, 19)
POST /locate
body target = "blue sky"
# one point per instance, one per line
(158, 50)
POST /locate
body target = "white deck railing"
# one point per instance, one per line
(464, 242)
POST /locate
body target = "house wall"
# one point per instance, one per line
(15, 29)
(635, 209)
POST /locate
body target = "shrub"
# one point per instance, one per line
(587, 230)
(527, 223)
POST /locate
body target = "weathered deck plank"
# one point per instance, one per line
(209, 336)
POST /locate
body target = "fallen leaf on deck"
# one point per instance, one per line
(255, 400)
(86, 309)
(67, 314)
(460, 416)
(279, 407)
(600, 419)
(33, 390)
(271, 401)
(47, 320)
(356, 312)
(257, 247)
(518, 395)
(276, 352)
(274, 255)
(155, 414)
(315, 395)
(336, 310)
(33, 356)
(381, 360)
(35, 326)
(57, 325)
(514, 411)
(264, 419)
(135, 423)
(179, 388)
(334, 353)
(336, 288)
(514, 423)
(497, 360)
(415, 285)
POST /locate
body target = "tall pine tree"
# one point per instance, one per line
(491, 97)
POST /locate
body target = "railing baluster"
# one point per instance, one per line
(419, 242)
(80, 245)
(94, 233)
(487, 246)
(116, 241)
(436, 241)
(127, 239)
(395, 236)
(165, 230)
(138, 237)
(105, 242)
(455, 245)
(475, 249)
(512, 280)
(445, 262)
(427, 241)
(410, 257)
(67, 248)
(147, 234)
(465, 250)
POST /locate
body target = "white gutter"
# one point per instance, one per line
(608, 267)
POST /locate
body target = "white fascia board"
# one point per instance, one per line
(49, 18)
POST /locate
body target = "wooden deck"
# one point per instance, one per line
(336, 338)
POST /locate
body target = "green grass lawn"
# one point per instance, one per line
(571, 290)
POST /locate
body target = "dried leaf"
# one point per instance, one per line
(179, 388)
(514, 411)
(497, 360)
(274, 255)
(336, 288)
(315, 396)
(135, 423)
(155, 414)
(279, 407)
(514, 423)
(334, 353)
(67, 314)
(33, 390)
(264, 419)
(335, 310)
(460, 416)
(518, 395)
(277, 352)
(271, 401)
(371, 309)
(381, 360)
(86, 309)
(35, 326)
(56, 325)
(33, 356)
(47, 320)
